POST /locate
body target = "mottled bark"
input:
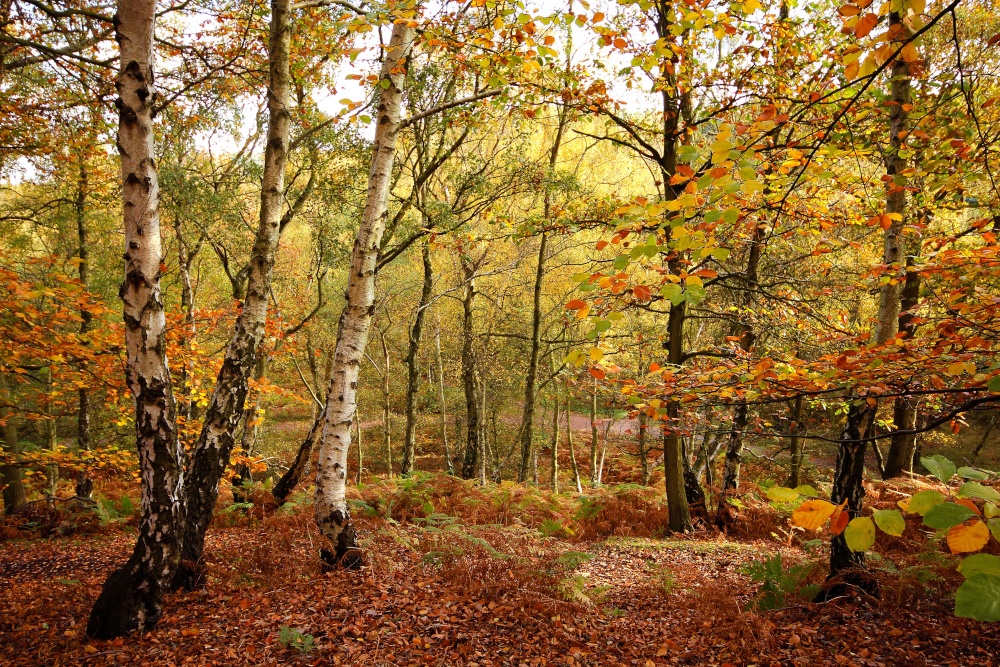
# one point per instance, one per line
(904, 412)
(210, 455)
(86, 317)
(594, 437)
(131, 598)
(643, 439)
(679, 516)
(849, 477)
(554, 474)
(412, 372)
(470, 373)
(284, 486)
(332, 513)
(444, 407)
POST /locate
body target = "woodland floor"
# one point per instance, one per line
(510, 596)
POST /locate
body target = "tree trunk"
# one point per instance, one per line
(444, 407)
(386, 405)
(795, 444)
(412, 372)
(11, 475)
(745, 330)
(131, 598)
(284, 486)
(210, 455)
(554, 475)
(594, 436)
(904, 412)
(643, 426)
(332, 514)
(470, 376)
(84, 485)
(849, 477)
(986, 436)
(569, 441)
(358, 431)
(679, 516)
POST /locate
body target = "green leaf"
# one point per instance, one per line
(990, 510)
(807, 490)
(860, 534)
(621, 261)
(782, 494)
(980, 564)
(921, 502)
(946, 515)
(994, 526)
(731, 214)
(721, 254)
(979, 598)
(994, 384)
(965, 472)
(977, 490)
(687, 153)
(674, 292)
(939, 466)
(890, 522)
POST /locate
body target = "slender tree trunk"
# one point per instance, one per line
(386, 404)
(643, 426)
(470, 376)
(679, 516)
(210, 455)
(412, 372)
(849, 475)
(483, 440)
(131, 598)
(569, 441)
(904, 413)
(745, 330)
(594, 438)
(358, 431)
(332, 514)
(449, 463)
(796, 444)
(286, 484)
(11, 475)
(554, 476)
(84, 485)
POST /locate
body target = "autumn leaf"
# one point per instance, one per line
(865, 25)
(812, 514)
(967, 537)
(860, 534)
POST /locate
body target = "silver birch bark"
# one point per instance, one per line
(131, 597)
(215, 443)
(332, 514)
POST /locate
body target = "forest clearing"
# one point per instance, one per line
(500, 332)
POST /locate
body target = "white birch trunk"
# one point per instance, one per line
(131, 597)
(332, 514)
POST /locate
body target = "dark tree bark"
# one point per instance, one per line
(284, 486)
(210, 455)
(412, 372)
(11, 475)
(849, 477)
(470, 374)
(131, 598)
(904, 412)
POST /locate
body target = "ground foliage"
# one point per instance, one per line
(460, 575)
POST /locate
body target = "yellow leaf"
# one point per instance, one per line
(596, 354)
(583, 312)
(812, 514)
(969, 536)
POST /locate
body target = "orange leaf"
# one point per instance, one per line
(849, 10)
(851, 71)
(653, 367)
(865, 25)
(969, 536)
(971, 505)
(597, 373)
(575, 304)
(601, 245)
(812, 514)
(839, 523)
(642, 292)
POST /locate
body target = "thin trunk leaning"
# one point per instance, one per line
(332, 514)
(412, 372)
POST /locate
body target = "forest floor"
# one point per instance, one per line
(456, 575)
